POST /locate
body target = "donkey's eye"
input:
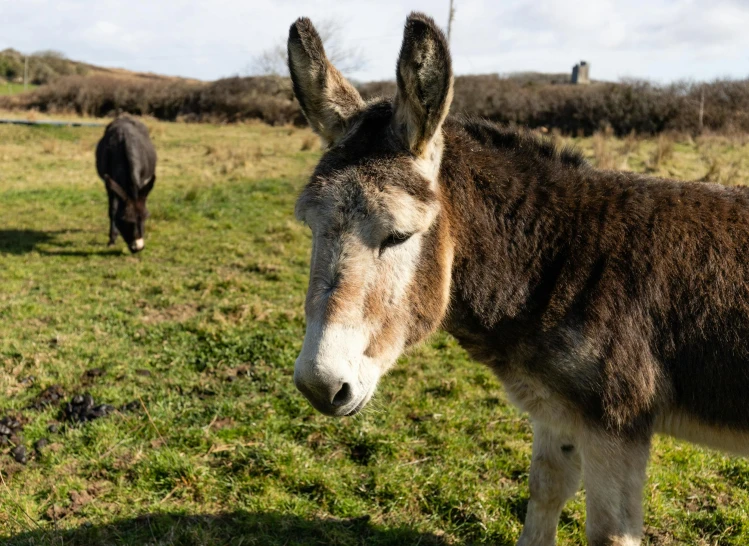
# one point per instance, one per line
(394, 239)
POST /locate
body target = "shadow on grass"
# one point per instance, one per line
(233, 528)
(23, 241)
(82, 253)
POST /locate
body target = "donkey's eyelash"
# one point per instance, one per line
(394, 239)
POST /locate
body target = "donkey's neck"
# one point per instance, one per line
(513, 204)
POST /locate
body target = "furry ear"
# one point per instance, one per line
(115, 188)
(327, 99)
(425, 83)
(145, 190)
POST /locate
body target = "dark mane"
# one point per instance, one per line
(520, 141)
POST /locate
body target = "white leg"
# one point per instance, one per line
(614, 473)
(554, 478)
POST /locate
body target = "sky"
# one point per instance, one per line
(660, 40)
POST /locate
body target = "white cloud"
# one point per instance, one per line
(659, 39)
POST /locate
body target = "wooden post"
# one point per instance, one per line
(25, 71)
(450, 21)
(702, 108)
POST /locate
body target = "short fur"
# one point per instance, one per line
(611, 305)
(126, 162)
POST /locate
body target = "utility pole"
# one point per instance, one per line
(25, 71)
(450, 21)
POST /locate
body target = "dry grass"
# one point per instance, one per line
(710, 157)
(603, 152)
(664, 151)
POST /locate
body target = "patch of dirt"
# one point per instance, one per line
(224, 422)
(316, 440)
(174, 313)
(659, 537)
(78, 500)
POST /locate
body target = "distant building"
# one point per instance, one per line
(581, 73)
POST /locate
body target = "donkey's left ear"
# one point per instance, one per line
(327, 99)
(425, 83)
(145, 190)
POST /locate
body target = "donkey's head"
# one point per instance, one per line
(131, 213)
(381, 255)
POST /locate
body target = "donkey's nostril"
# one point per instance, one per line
(343, 396)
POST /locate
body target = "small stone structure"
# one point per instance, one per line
(581, 73)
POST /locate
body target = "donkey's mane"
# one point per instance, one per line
(379, 112)
(520, 141)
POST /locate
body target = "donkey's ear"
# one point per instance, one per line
(327, 99)
(115, 188)
(425, 83)
(145, 190)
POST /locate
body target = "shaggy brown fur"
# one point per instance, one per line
(651, 273)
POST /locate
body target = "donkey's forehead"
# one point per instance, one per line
(388, 196)
(367, 173)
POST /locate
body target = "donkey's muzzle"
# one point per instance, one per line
(331, 397)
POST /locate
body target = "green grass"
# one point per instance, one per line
(13, 88)
(439, 458)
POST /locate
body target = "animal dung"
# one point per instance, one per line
(52, 395)
(92, 373)
(9, 429)
(19, 454)
(40, 444)
(130, 406)
(82, 408)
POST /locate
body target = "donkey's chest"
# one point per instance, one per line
(542, 403)
(551, 379)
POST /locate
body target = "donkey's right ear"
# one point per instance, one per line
(115, 188)
(327, 99)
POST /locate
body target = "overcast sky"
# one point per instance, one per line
(662, 40)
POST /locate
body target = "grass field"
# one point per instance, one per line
(203, 328)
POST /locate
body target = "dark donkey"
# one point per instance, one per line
(610, 305)
(126, 162)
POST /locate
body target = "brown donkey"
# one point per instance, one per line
(610, 305)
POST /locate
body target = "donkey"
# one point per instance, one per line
(610, 305)
(126, 162)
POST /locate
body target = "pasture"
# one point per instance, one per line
(201, 330)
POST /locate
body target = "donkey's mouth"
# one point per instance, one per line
(360, 404)
(358, 408)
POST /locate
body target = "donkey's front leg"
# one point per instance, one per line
(554, 478)
(614, 471)
(113, 232)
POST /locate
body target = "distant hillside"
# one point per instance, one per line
(46, 66)
(526, 99)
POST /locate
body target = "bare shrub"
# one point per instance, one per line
(273, 61)
(628, 108)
